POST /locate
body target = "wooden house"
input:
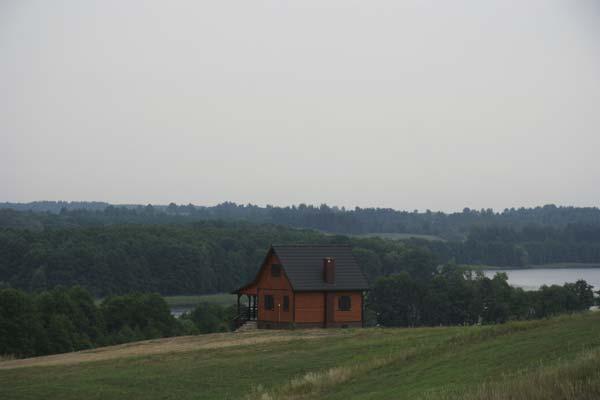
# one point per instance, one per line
(305, 286)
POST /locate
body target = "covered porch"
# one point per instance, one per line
(247, 306)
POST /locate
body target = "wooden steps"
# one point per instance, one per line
(247, 326)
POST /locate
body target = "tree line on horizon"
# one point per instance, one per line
(511, 247)
(199, 258)
(218, 256)
(450, 226)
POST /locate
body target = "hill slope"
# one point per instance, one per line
(550, 359)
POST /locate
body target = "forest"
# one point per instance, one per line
(54, 266)
(106, 256)
(69, 319)
(203, 257)
(451, 226)
(513, 247)
(458, 296)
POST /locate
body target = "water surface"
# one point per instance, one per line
(532, 279)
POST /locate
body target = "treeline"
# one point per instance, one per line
(452, 226)
(455, 296)
(63, 320)
(530, 245)
(217, 256)
(67, 319)
(205, 257)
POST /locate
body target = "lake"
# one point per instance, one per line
(179, 311)
(531, 279)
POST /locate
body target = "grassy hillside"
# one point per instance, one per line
(551, 359)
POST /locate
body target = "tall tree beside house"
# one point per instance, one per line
(397, 300)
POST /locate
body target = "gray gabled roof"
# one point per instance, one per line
(303, 265)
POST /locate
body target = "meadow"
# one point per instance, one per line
(557, 358)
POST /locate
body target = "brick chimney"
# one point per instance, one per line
(329, 270)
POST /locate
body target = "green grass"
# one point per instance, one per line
(223, 299)
(496, 362)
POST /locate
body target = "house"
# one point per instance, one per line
(305, 286)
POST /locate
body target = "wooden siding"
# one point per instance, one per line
(355, 312)
(278, 287)
(318, 308)
(265, 279)
(310, 307)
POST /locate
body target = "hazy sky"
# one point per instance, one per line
(403, 104)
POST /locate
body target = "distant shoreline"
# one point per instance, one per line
(565, 265)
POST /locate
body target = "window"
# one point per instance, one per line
(269, 303)
(286, 303)
(344, 303)
(275, 270)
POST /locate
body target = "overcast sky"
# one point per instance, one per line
(403, 104)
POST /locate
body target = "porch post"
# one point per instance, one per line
(249, 307)
(362, 308)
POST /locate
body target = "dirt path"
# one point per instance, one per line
(168, 345)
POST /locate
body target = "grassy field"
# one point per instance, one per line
(223, 299)
(551, 359)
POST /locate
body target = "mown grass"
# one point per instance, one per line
(559, 354)
(578, 379)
